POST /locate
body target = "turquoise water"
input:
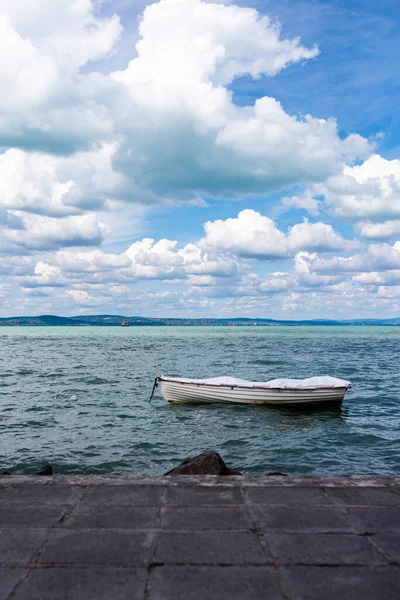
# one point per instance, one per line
(111, 428)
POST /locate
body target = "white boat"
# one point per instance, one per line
(280, 392)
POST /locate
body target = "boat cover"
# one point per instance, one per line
(311, 383)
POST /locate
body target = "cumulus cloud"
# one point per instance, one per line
(24, 233)
(189, 137)
(58, 186)
(367, 191)
(305, 276)
(253, 235)
(78, 145)
(387, 278)
(306, 202)
(168, 119)
(96, 279)
(378, 231)
(144, 260)
(44, 275)
(29, 182)
(300, 280)
(211, 42)
(377, 257)
(273, 283)
(200, 265)
(49, 105)
(162, 260)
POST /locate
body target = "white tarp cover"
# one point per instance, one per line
(311, 383)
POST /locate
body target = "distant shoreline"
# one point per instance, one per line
(121, 320)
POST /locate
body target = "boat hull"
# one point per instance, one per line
(190, 393)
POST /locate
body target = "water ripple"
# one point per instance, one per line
(111, 428)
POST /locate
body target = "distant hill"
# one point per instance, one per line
(116, 321)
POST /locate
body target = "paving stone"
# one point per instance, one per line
(359, 496)
(203, 495)
(83, 584)
(337, 583)
(39, 494)
(19, 515)
(390, 544)
(322, 549)
(228, 517)
(375, 520)
(209, 547)
(203, 532)
(18, 545)
(133, 495)
(214, 583)
(123, 517)
(308, 519)
(287, 496)
(98, 547)
(8, 580)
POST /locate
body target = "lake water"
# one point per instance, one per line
(111, 427)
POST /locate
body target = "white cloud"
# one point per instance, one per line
(306, 277)
(211, 43)
(300, 280)
(49, 105)
(390, 293)
(83, 297)
(143, 260)
(378, 231)
(370, 191)
(161, 260)
(57, 186)
(188, 136)
(65, 29)
(273, 283)
(29, 182)
(306, 202)
(94, 279)
(254, 235)
(44, 275)
(377, 257)
(34, 233)
(169, 117)
(77, 146)
(387, 278)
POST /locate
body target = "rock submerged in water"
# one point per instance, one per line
(46, 470)
(206, 463)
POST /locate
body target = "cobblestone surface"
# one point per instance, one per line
(191, 538)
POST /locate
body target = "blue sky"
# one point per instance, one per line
(191, 158)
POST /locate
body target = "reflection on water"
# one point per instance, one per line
(109, 426)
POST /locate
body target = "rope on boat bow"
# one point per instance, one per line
(154, 389)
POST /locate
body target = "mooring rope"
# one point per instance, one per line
(154, 388)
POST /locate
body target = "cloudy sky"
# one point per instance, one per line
(189, 158)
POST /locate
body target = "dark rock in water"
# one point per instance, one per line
(231, 472)
(275, 473)
(5, 473)
(47, 470)
(206, 463)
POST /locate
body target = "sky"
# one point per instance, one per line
(190, 158)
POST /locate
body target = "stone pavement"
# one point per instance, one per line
(199, 538)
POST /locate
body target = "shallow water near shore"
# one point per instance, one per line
(110, 427)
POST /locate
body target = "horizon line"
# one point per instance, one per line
(236, 318)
